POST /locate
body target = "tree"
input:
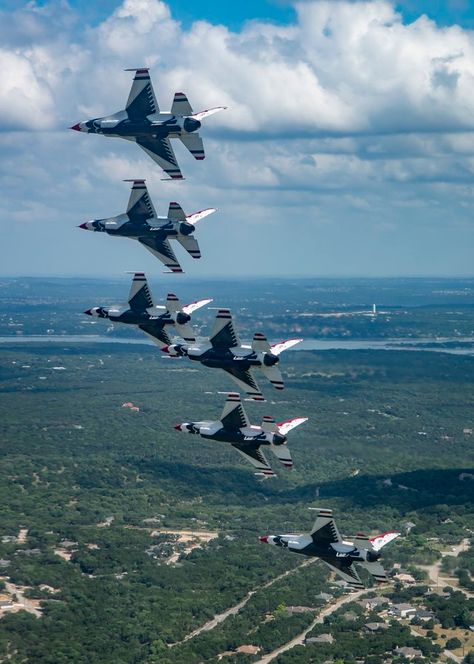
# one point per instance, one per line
(453, 643)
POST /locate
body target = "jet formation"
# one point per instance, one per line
(142, 121)
(234, 427)
(340, 555)
(224, 351)
(152, 319)
(140, 222)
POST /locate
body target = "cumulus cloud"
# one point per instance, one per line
(345, 119)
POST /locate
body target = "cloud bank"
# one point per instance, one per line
(348, 127)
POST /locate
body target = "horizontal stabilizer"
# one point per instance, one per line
(172, 303)
(274, 376)
(288, 425)
(181, 105)
(260, 343)
(194, 144)
(175, 212)
(268, 424)
(283, 454)
(191, 245)
(197, 216)
(185, 332)
(210, 111)
(277, 349)
(376, 569)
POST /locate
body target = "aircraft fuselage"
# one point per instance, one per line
(305, 545)
(158, 125)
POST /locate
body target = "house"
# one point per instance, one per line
(4, 563)
(372, 603)
(409, 653)
(403, 577)
(402, 611)
(423, 614)
(371, 628)
(322, 638)
(325, 597)
(5, 605)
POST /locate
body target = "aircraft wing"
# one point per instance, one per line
(190, 244)
(246, 382)
(160, 247)
(139, 206)
(223, 334)
(139, 298)
(157, 333)
(325, 530)
(347, 572)
(194, 144)
(141, 100)
(256, 458)
(233, 415)
(161, 151)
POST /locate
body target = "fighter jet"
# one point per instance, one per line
(143, 122)
(140, 222)
(224, 351)
(154, 320)
(234, 428)
(326, 543)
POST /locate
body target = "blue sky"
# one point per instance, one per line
(347, 148)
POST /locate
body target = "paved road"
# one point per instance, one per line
(298, 640)
(220, 617)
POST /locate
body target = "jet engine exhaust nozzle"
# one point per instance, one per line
(373, 556)
(190, 125)
(269, 360)
(182, 318)
(186, 228)
(278, 439)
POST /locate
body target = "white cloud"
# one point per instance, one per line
(336, 124)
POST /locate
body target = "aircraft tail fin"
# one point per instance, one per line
(288, 425)
(380, 541)
(182, 327)
(139, 297)
(200, 115)
(283, 454)
(277, 349)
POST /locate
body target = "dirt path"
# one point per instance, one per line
(31, 605)
(440, 580)
(298, 640)
(233, 610)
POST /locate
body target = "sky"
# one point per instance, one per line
(347, 147)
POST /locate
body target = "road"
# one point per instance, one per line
(434, 570)
(220, 617)
(298, 640)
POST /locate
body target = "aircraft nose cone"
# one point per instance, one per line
(76, 127)
(84, 226)
(165, 349)
(88, 312)
(264, 539)
(177, 427)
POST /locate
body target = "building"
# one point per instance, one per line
(372, 628)
(248, 650)
(402, 611)
(405, 578)
(321, 638)
(373, 603)
(409, 653)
